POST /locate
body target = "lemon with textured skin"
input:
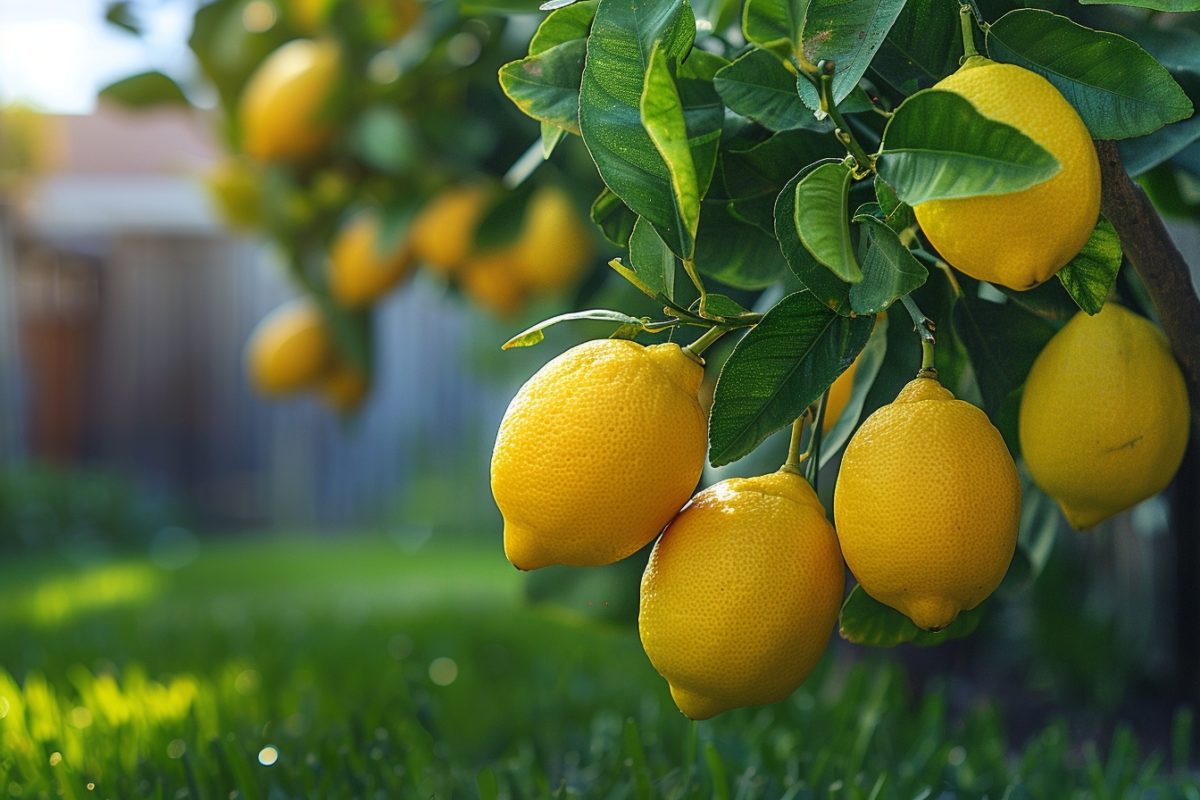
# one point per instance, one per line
(284, 108)
(597, 452)
(443, 234)
(741, 594)
(491, 281)
(290, 349)
(363, 264)
(839, 396)
(927, 505)
(554, 247)
(1104, 415)
(1019, 239)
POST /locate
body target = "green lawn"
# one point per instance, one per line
(301, 667)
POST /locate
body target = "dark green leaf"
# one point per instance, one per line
(866, 621)
(869, 362)
(937, 146)
(1176, 6)
(734, 252)
(922, 47)
(889, 270)
(563, 25)
(721, 306)
(777, 370)
(754, 176)
(896, 214)
(775, 25)
(546, 86)
(1092, 273)
(613, 217)
(144, 90)
(1003, 340)
(1143, 153)
(1049, 301)
(121, 15)
(662, 117)
(651, 263)
(827, 287)
(1117, 87)
(758, 87)
(535, 334)
(848, 33)
(822, 219)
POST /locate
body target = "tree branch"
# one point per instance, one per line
(1158, 262)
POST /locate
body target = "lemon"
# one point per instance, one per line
(290, 349)
(363, 266)
(554, 246)
(741, 593)
(1022, 238)
(284, 109)
(344, 388)
(1104, 415)
(490, 280)
(927, 505)
(839, 396)
(309, 16)
(443, 234)
(597, 452)
(234, 187)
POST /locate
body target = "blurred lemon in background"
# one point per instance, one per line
(290, 349)
(554, 247)
(285, 111)
(363, 264)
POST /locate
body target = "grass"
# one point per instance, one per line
(278, 668)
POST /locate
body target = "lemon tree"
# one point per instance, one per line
(919, 226)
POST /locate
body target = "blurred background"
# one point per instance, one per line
(205, 592)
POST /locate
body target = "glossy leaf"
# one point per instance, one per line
(535, 334)
(662, 117)
(937, 146)
(866, 621)
(753, 176)
(896, 214)
(613, 217)
(758, 87)
(651, 263)
(1003, 340)
(922, 47)
(545, 86)
(1092, 273)
(822, 219)
(1174, 6)
(775, 25)
(825, 286)
(1117, 87)
(564, 25)
(777, 370)
(848, 33)
(734, 252)
(889, 270)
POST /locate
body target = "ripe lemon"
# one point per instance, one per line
(443, 234)
(290, 350)
(344, 388)
(1104, 415)
(927, 505)
(554, 247)
(362, 264)
(491, 281)
(839, 396)
(234, 187)
(741, 594)
(597, 452)
(284, 109)
(1022, 238)
(308, 16)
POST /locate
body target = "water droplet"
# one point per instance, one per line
(55, 758)
(443, 671)
(268, 756)
(91, 787)
(176, 748)
(258, 16)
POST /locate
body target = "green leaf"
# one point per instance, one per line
(758, 87)
(145, 90)
(734, 252)
(1003, 339)
(624, 35)
(848, 33)
(1118, 88)
(937, 147)
(662, 117)
(721, 306)
(613, 217)
(546, 86)
(651, 263)
(1143, 153)
(775, 25)
(889, 270)
(754, 175)
(822, 219)
(563, 25)
(1092, 273)
(777, 370)
(531, 336)
(121, 15)
(922, 47)
(1175, 6)
(896, 214)
(825, 286)
(870, 360)
(866, 621)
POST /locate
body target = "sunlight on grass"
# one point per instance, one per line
(55, 600)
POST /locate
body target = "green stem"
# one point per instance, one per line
(689, 266)
(924, 327)
(967, 22)
(813, 454)
(795, 457)
(842, 129)
(697, 348)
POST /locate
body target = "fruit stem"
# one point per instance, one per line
(967, 22)
(842, 131)
(924, 327)
(795, 457)
(697, 348)
(813, 454)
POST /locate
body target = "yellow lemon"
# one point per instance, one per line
(490, 280)
(362, 265)
(290, 350)
(234, 187)
(741, 593)
(927, 505)
(839, 396)
(309, 16)
(284, 109)
(597, 452)
(443, 234)
(1022, 238)
(344, 388)
(554, 246)
(1104, 415)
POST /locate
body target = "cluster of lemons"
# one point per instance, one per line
(600, 451)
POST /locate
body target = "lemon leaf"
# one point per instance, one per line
(823, 283)
(866, 621)
(1091, 274)
(535, 334)
(921, 48)
(545, 86)
(758, 87)
(890, 271)
(613, 217)
(822, 219)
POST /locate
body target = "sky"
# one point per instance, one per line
(56, 54)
